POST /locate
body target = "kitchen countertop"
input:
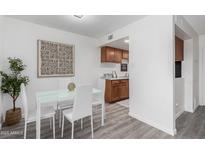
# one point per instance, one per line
(119, 78)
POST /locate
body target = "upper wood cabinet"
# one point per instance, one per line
(109, 54)
(125, 54)
(179, 49)
(118, 56)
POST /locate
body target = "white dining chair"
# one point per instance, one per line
(96, 101)
(82, 108)
(62, 105)
(30, 116)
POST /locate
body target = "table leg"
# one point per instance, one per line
(38, 121)
(103, 110)
(103, 113)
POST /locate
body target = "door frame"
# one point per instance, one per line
(201, 75)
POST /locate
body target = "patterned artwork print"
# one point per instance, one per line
(55, 59)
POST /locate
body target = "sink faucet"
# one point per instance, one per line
(126, 74)
(114, 74)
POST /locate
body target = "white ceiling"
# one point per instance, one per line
(197, 22)
(181, 34)
(91, 25)
(120, 44)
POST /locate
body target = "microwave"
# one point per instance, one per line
(124, 67)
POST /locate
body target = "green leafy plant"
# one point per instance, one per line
(11, 82)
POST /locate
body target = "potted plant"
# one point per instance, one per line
(11, 83)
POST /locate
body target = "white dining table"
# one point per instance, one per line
(46, 98)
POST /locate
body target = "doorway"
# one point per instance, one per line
(183, 81)
(115, 70)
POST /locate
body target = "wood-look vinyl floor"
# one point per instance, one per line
(118, 125)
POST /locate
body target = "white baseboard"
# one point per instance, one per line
(178, 114)
(188, 110)
(193, 109)
(175, 132)
(196, 107)
(151, 123)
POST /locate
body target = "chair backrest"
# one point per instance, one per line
(101, 85)
(24, 101)
(82, 106)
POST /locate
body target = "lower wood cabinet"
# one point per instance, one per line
(116, 90)
(115, 93)
(123, 90)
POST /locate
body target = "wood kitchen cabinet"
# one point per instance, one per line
(118, 55)
(179, 49)
(124, 89)
(116, 90)
(109, 54)
(125, 54)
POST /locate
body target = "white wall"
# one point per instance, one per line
(179, 96)
(187, 71)
(21, 41)
(1, 40)
(151, 70)
(1, 61)
(194, 69)
(202, 68)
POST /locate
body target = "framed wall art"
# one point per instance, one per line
(55, 59)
